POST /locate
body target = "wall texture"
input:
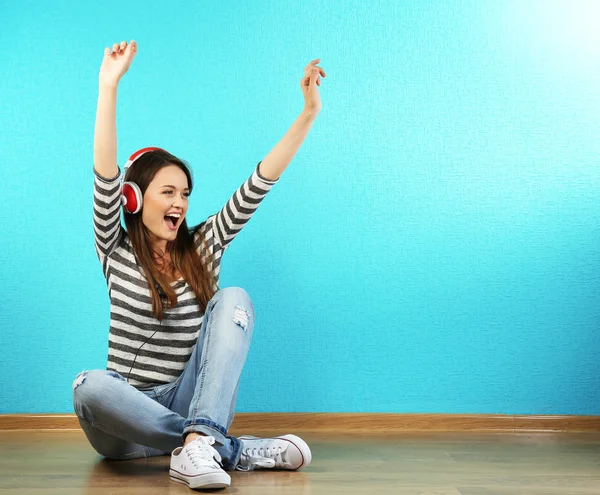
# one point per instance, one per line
(433, 247)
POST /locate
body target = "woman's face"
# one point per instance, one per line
(165, 204)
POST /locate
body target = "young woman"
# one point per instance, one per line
(177, 343)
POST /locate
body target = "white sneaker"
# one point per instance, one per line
(197, 465)
(284, 452)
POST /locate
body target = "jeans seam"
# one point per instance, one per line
(166, 390)
(205, 359)
(103, 428)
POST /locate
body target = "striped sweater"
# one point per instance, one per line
(163, 358)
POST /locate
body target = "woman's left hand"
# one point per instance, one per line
(309, 83)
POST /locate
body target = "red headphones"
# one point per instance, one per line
(131, 194)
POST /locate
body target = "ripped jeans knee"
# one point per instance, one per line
(240, 317)
(238, 302)
(89, 389)
(79, 379)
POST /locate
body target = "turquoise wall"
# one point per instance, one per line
(433, 247)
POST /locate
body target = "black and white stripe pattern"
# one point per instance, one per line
(164, 356)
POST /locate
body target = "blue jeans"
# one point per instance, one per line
(122, 422)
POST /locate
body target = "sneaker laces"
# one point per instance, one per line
(261, 457)
(201, 450)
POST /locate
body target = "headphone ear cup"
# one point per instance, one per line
(131, 197)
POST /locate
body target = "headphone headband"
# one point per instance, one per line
(137, 154)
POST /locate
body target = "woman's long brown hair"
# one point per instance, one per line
(184, 256)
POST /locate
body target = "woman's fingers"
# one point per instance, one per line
(312, 65)
(119, 48)
(314, 76)
(310, 76)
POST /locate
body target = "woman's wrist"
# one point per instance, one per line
(309, 113)
(107, 85)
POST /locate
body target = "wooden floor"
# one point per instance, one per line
(62, 463)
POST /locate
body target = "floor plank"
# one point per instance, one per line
(62, 462)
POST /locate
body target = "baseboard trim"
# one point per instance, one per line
(349, 422)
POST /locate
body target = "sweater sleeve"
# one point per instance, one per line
(107, 216)
(221, 228)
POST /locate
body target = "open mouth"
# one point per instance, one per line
(172, 221)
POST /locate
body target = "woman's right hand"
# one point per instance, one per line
(117, 62)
